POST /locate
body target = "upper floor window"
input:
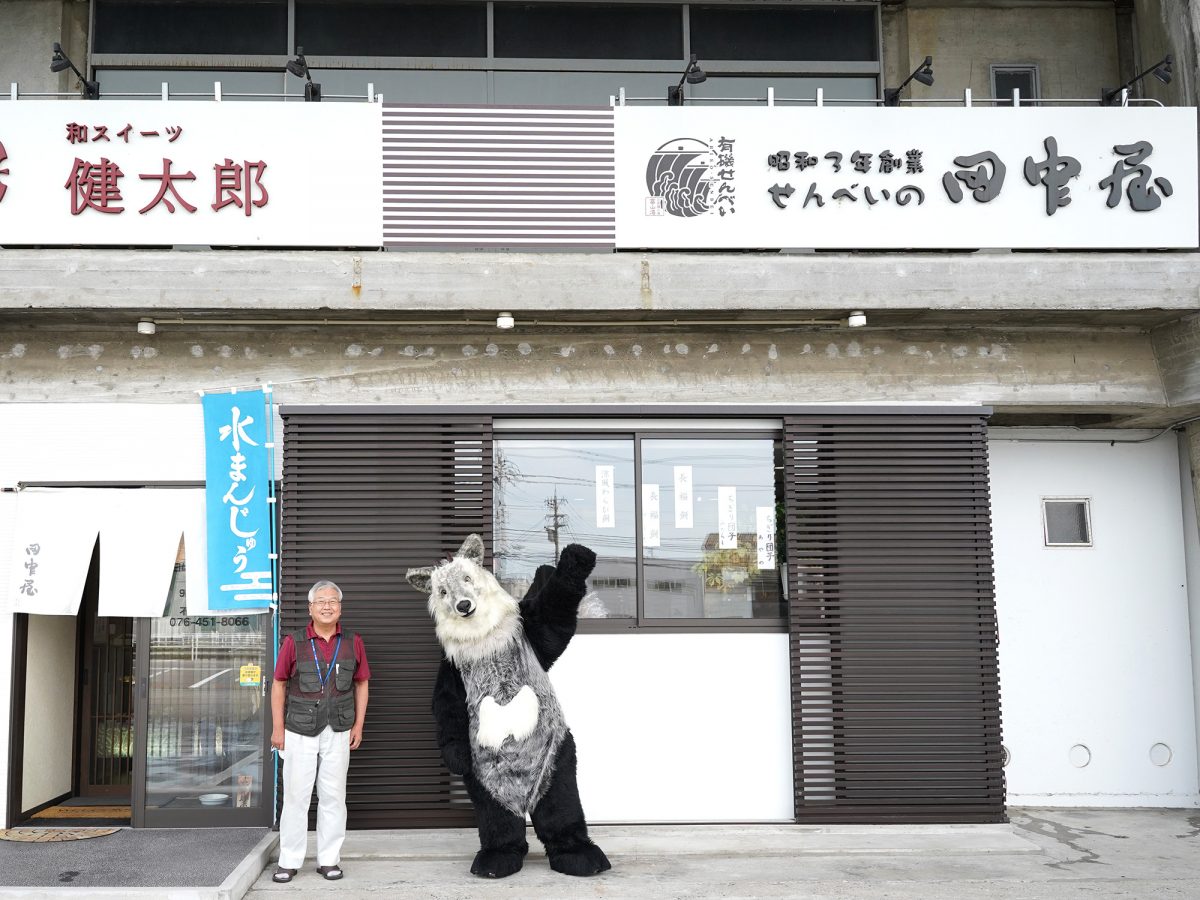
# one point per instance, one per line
(1007, 78)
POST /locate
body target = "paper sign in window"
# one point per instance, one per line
(727, 517)
(605, 513)
(683, 497)
(765, 518)
(651, 517)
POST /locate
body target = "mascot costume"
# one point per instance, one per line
(499, 723)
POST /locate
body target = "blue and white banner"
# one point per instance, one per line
(237, 490)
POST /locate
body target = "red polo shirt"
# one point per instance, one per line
(285, 663)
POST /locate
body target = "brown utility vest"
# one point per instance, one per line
(311, 706)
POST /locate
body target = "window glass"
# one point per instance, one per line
(391, 29)
(152, 26)
(716, 551)
(552, 492)
(576, 31)
(1067, 523)
(1007, 79)
(784, 33)
(205, 707)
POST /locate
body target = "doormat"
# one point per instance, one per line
(53, 835)
(82, 812)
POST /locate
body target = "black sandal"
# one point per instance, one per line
(330, 873)
(282, 875)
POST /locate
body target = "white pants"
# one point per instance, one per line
(323, 759)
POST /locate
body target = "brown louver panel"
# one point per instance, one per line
(895, 690)
(365, 497)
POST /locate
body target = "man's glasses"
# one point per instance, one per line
(326, 602)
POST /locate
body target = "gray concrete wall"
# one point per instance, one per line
(28, 28)
(1012, 368)
(1074, 45)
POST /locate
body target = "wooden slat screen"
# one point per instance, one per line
(365, 497)
(895, 690)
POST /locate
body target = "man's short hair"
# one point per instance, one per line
(312, 591)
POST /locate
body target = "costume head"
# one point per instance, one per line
(472, 614)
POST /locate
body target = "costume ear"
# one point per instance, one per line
(421, 579)
(472, 549)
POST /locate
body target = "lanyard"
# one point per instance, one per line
(336, 649)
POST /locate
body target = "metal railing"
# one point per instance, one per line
(967, 100)
(217, 94)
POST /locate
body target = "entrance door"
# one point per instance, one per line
(202, 707)
(106, 700)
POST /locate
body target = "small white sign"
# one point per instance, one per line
(727, 517)
(651, 518)
(683, 497)
(765, 518)
(606, 516)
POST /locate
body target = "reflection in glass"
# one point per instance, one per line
(546, 496)
(205, 707)
(689, 575)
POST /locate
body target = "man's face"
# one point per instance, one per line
(325, 607)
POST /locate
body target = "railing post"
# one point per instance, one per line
(820, 96)
(967, 97)
(217, 91)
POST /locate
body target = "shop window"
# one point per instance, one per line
(1067, 522)
(687, 529)
(577, 31)
(391, 29)
(154, 26)
(1006, 79)
(784, 33)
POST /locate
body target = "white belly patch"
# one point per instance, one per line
(517, 718)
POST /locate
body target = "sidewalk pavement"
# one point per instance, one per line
(1042, 854)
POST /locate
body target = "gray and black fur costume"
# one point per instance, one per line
(508, 774)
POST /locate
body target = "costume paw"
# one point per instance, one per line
(497, 863)
(457, 757)
(576, 562)
(585, 859)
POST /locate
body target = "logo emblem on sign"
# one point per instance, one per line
(3, 157)
(682, 173)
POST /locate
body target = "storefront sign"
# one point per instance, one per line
(769, 177)
(237, 488)
(154, 173)
(697, 177)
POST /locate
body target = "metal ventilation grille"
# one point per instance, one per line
(366, 497)
(465, 177)
(892, 619)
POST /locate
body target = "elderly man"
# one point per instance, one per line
(321, 675)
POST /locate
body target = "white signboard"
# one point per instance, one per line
(1046, 177)
(764, 517)
(683, 497)
(651, 518)
(727, 518)
(605, 513)
(165, 173)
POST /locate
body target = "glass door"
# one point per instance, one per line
(202, 714)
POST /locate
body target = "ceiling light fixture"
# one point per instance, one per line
(856, 319)
(505, 321)
(147, 326)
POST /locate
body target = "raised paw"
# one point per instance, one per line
(497, 863)
(576, 562)
(584, 859)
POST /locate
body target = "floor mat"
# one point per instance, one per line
(78, 816)
(53, 835)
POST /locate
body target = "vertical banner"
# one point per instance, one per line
(651, 519)
(605, 515)
(765, 526)
(683, 497)
(727, 517)
(237, 488)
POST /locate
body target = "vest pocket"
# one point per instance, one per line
(343, 676)
(301, 716)
(343, 709)
(310, 681)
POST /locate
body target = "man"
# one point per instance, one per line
(322, 675)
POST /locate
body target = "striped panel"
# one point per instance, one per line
(488, 177)
(365, 498)
(895, 688)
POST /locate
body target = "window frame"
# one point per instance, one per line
(1087, 517)
(640, 623)
(998, 68)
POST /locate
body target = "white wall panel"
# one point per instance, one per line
(1094, 642)
(680, 727)
(49, 710)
